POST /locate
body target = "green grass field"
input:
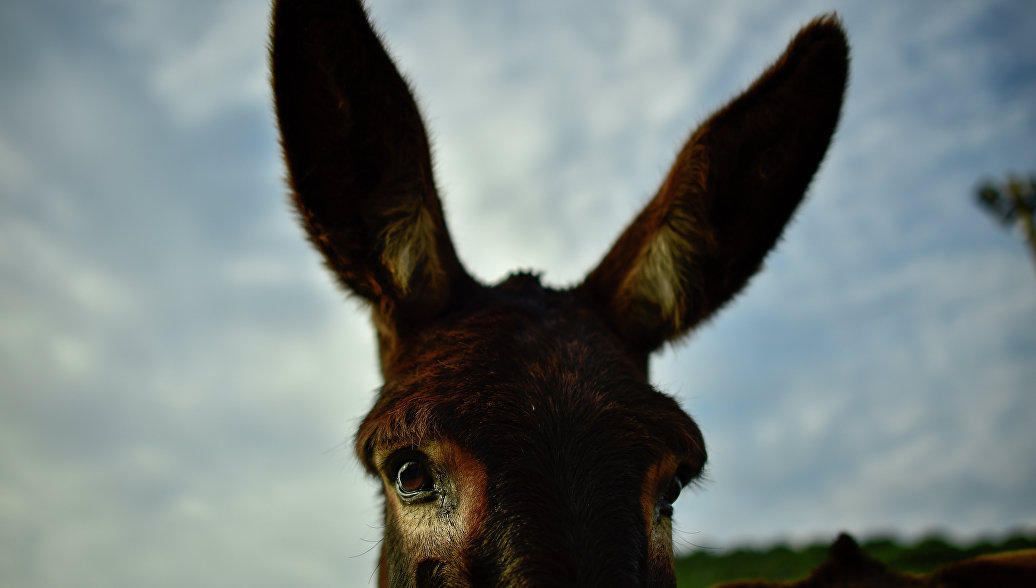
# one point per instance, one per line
(781, 562)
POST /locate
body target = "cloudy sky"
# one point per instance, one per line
(179, 378)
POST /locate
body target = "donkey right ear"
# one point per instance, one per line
(726, 200)
(359, 163)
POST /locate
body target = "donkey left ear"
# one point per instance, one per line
(360, 164)
(726, 200)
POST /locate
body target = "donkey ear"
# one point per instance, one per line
(359, 162)
(727, 198)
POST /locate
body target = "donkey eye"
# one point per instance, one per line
(412, 479)
(672, 491)
(664, 508)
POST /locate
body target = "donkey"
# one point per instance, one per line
(516, 436)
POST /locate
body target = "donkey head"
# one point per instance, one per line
(516, 436)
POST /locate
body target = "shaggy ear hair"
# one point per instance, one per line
(727, 198)
(359, 164)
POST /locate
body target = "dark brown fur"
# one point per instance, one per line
(553, 459)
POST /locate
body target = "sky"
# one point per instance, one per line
(180, 379)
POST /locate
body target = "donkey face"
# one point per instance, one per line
(518, 441)
(516, 436)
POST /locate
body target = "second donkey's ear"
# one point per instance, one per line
(726, 200)
(359, 164)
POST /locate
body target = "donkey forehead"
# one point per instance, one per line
(526, 366)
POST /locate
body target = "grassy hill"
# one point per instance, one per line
(781, 562)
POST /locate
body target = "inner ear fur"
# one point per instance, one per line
(728, 196)
(359, 163)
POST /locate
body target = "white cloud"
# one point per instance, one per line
(201, 59)
(224, 70)
(911, 417)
